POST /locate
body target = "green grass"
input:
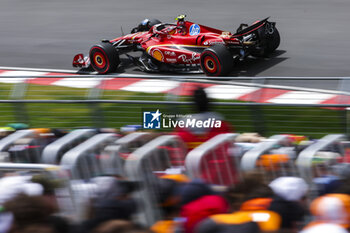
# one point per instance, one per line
(315, 122)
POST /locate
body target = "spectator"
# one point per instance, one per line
(38, 228)
(253, 198)
(30, 211)
(325, 180)
(18, 126)
(194, 136)
(249, 202)
(344, 187)
(198, 201)
(48, 196)
(331, 214)
(114, 226)
(5, 131)
(114, 203)
(289, 192)
(12, 185)
(325, 228)
(168, 201)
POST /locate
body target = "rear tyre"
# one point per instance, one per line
(216, 60)
(272, 42)
(104, 58)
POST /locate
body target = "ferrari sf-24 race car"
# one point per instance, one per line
(184, 47)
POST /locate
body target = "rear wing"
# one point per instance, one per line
(241, 31)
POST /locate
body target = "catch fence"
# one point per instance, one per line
(265, 105)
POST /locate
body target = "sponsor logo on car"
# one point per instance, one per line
(213, 42)
(170, 53)
(195, 29)
(184, 58)
(157, 54)
(232, 42)
(171, 60)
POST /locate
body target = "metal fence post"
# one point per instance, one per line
(174, 95)
(344, 120)
(256, 111)
(344, 87)
(346, 123)
(20, 111)
(96, 112)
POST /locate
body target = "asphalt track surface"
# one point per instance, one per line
(48, 33)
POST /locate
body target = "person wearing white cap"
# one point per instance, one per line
(289, 191)
(10, 187)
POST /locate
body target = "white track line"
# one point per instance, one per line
(228, 91)
(78, 82)
(301, 97)
(151, 86)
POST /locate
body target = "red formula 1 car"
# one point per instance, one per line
(183, 47)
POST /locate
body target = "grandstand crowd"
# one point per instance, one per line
(271, 198)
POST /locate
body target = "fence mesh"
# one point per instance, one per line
(93, 103)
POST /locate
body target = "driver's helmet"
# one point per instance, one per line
(144, 25)
(181, 23)
(180, 18)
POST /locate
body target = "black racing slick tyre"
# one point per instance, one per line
(216, 60)
(104, 58)
(272, 41)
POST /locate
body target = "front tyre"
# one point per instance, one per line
(104, 58)
(216, 60)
